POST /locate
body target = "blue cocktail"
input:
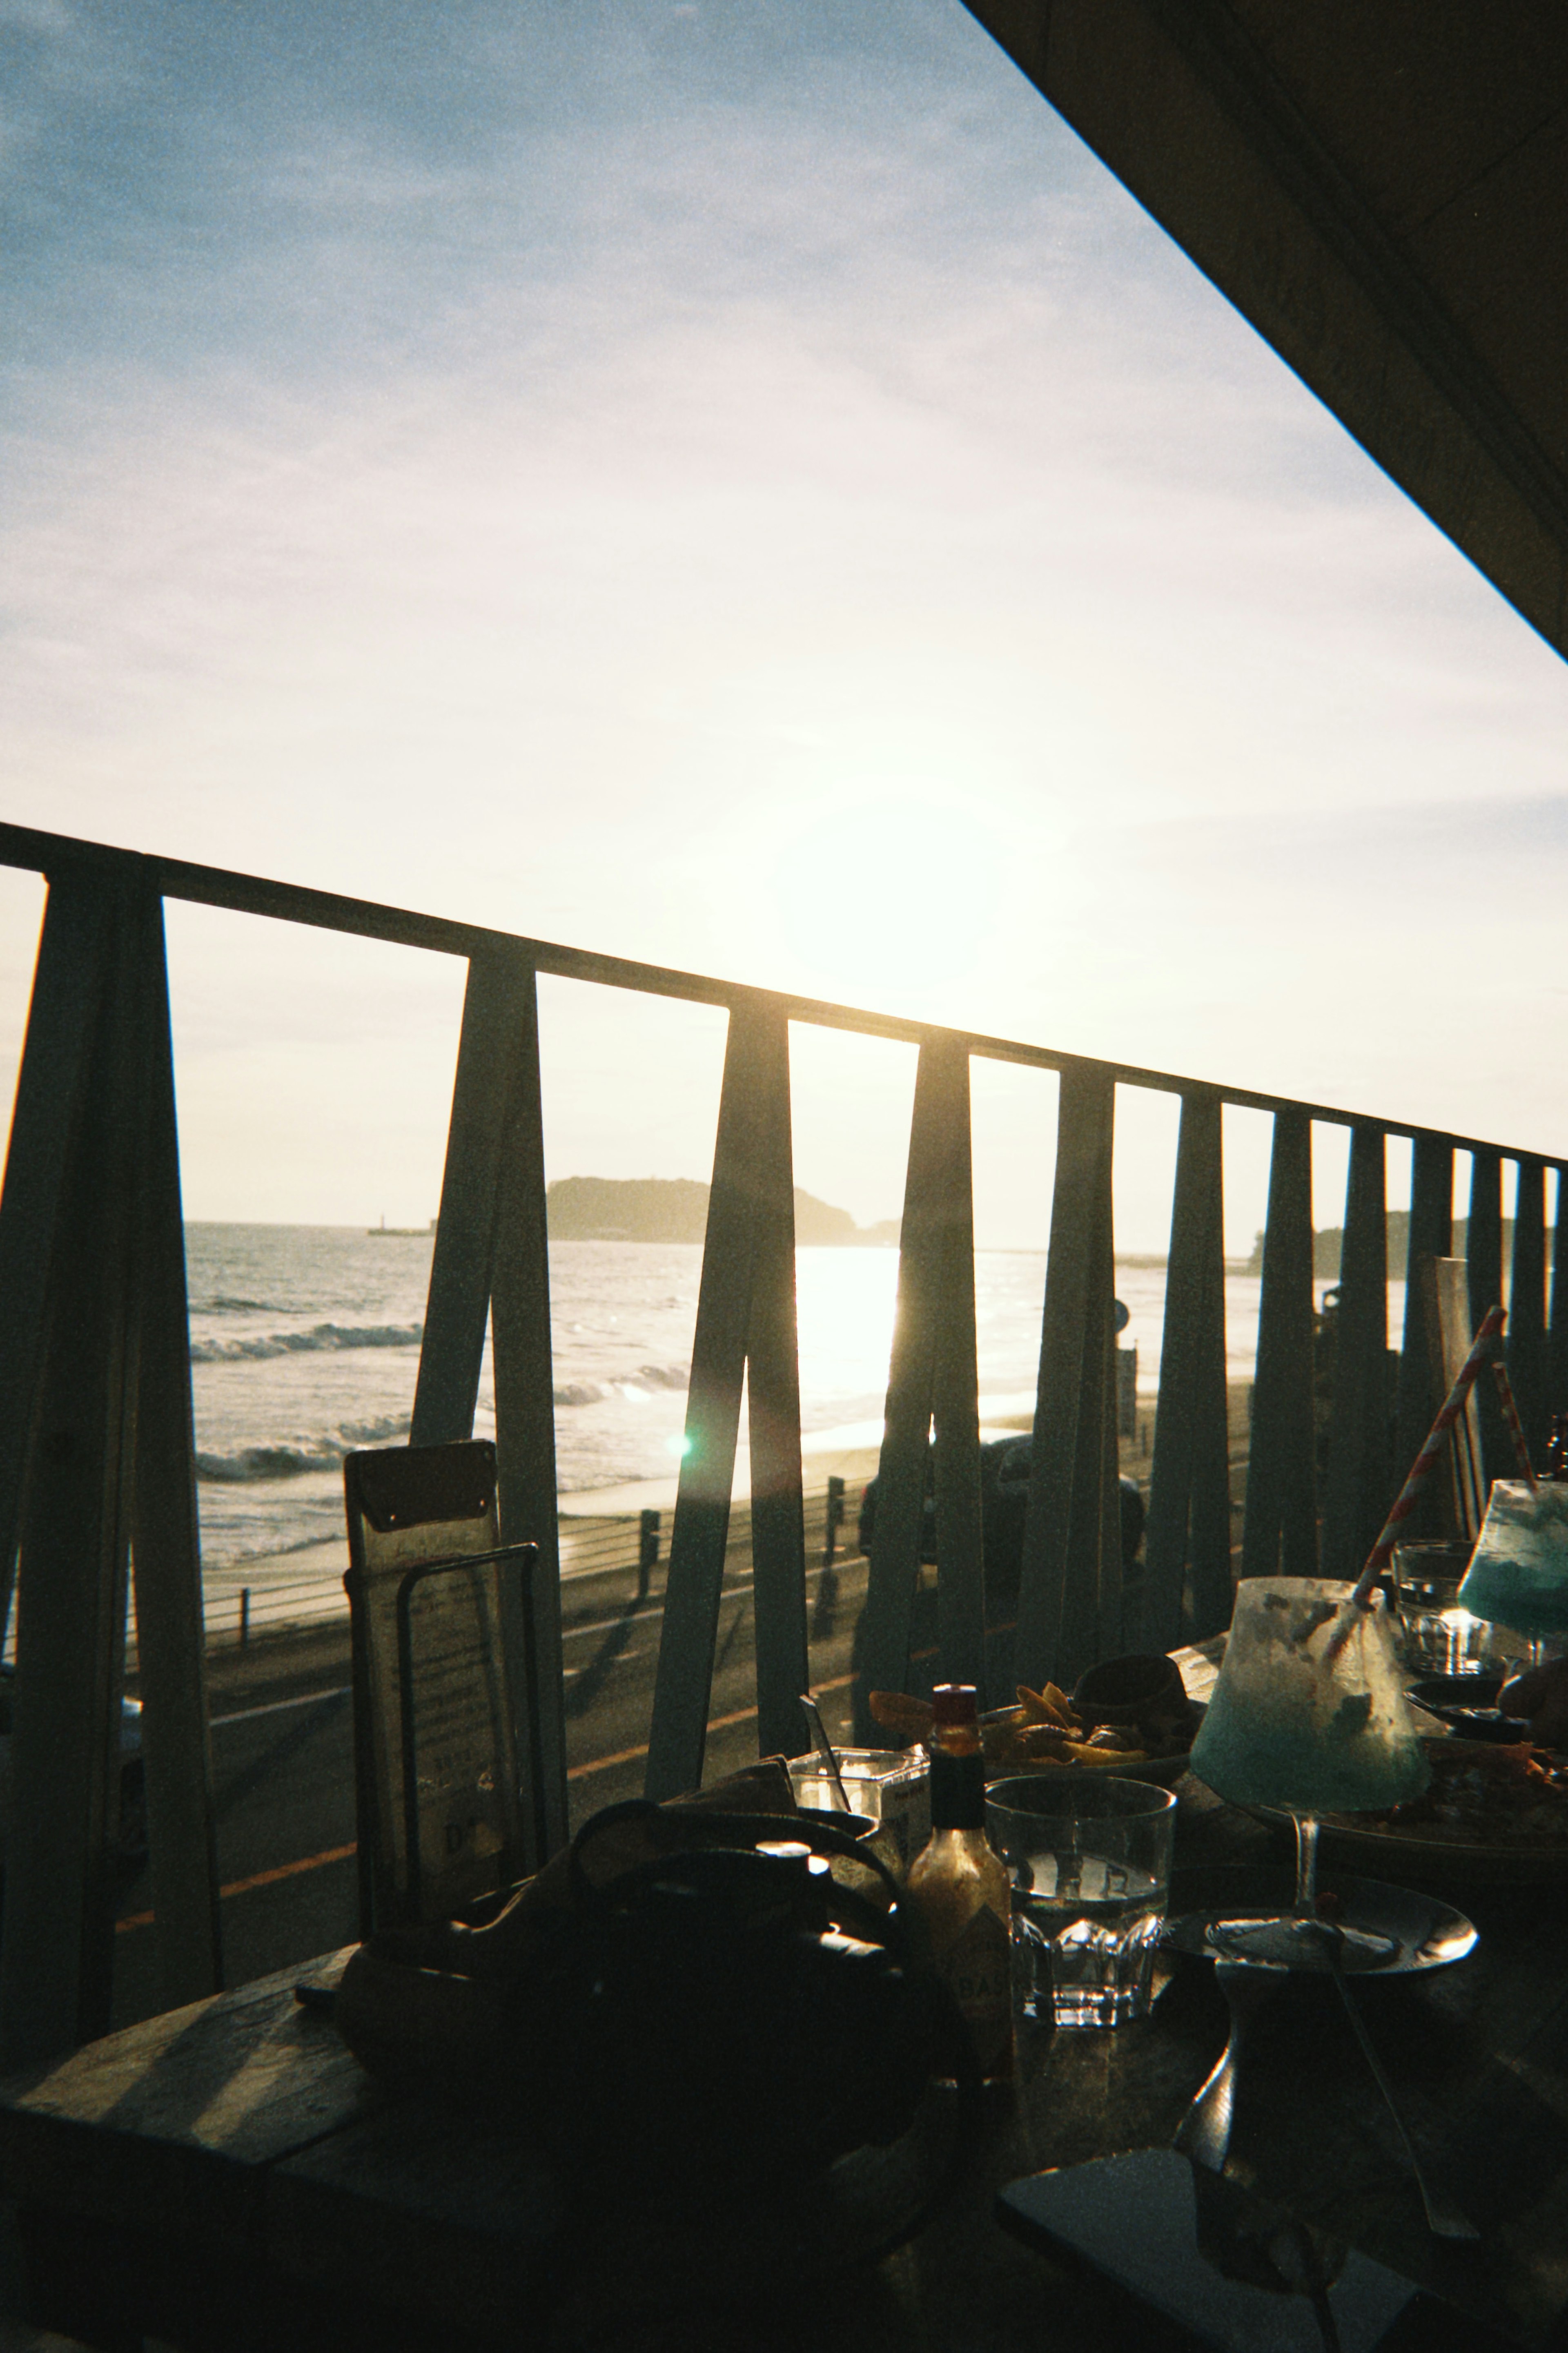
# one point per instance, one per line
(1518, 1574)
(1309, 1714)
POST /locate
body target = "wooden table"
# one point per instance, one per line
(226, 2176)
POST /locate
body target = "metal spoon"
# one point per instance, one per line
(820, 1734)
(1444, 2220)
(1203, 2133)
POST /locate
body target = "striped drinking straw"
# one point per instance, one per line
(1515, 1427)
(1382, 1552)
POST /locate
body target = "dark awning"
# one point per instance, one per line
(1380, 186)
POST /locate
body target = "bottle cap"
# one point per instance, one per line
(953, 1703)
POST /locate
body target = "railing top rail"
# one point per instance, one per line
(51, 854)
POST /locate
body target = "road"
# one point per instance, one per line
(283, 1763)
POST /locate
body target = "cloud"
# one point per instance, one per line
(589, 469)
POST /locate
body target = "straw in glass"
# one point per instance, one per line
(1515, 1427)
(1382, 1552)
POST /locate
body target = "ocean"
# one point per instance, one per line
(305, 1340)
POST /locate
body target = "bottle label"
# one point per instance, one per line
(976, 1966)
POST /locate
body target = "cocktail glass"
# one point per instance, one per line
(1308, 1716)
(1518, 1571)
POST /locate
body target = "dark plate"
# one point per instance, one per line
(1428, 1858)
(1427, 1933)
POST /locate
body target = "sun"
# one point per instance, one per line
(889, 897)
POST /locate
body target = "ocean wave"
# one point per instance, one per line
(631, 1385)
(319, 1337)
(291, 1458)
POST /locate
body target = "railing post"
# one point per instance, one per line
(648, 1551)
(1189, 1584)
(93, 1256)
(165, 1541)
(491, 1258)
(1280, 1532)
(68, 991)
(498, 1010)
(1420, 1391)
(523, 1363)
(745, 1310)
(1357, 1490)
(932, 1378)
(833, 1520)
(772, 1407)
(1557, 1331)
(1069, 1601)
(1483, 1267)
(1526, 1344)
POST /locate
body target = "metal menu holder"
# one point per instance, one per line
(446, 1781)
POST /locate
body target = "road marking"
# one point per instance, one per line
(257, 1879)
(716, 1724)
(342, 1853)
(276, 1707)
(742, 1584)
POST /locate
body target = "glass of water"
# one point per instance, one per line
(1089, 1861)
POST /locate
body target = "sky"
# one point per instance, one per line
(738, 486)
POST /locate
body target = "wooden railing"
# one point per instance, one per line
(97, 1462)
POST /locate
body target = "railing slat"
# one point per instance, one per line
(1557, 1331)
(1420, 1391)
(165, 1534)
(1483, 1267)
(1189, 1587)
(66, 994)
(773, 1415)
(945, 1227)
(1357, 1492)
(497, 1008)
(1280, 1532)
(743, 1180)
(1070, 1602)
(56, 1950)
(931, 1375)
(1526, 1344)
(523, 1369)
(490, 1263)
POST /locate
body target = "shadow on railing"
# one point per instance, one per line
(97, 1472)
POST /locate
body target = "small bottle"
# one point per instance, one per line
(960, 1882)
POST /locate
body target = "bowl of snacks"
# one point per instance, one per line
(1047, 1732)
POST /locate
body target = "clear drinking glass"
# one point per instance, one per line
(1090, 1862)
(1519, 1570)
(1308, 1714)
(1440, 1637)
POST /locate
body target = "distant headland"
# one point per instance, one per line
(674, 1209)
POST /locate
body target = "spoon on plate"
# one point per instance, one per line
(1444, 2219)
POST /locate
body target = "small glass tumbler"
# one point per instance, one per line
(1439, 1638)
(1090, 1862)
(892, 1785)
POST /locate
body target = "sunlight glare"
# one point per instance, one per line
(891, 897)
(844, 1300)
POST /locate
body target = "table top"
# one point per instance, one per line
(242, 2127)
